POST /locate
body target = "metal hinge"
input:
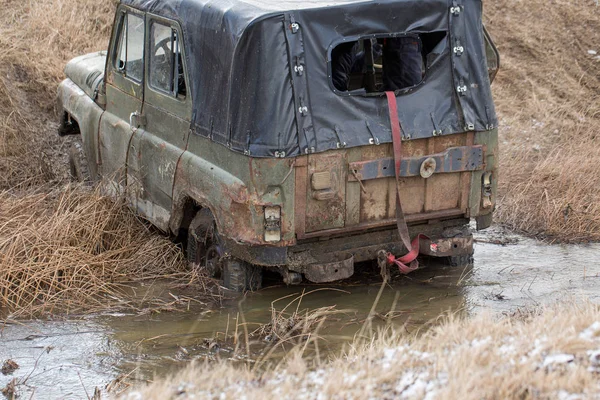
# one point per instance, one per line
(136, 119)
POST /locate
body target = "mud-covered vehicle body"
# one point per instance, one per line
(221, 123)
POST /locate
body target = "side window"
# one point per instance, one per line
(129, 57)
(166, 62)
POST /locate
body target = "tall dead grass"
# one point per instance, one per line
(551, 354)
(69, 250)
(547, 95)
(37, 38)
(61, 250)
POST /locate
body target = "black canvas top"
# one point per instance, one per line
(249, 94)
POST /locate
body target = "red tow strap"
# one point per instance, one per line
(408, 262)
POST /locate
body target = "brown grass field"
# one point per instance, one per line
(547, 96)
(68, 250)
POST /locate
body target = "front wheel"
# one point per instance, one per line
(78, 165)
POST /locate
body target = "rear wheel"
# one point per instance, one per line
(206, 251)
(203, 250)
(78, 165)
(240, 276)
(460, 260)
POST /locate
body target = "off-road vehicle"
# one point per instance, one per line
(298, 136)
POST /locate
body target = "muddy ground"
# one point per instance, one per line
(69, 358)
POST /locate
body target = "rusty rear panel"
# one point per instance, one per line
(326, 195)
(359, 198)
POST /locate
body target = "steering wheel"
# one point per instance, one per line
(168, 52)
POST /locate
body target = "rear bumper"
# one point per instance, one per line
(333, 258)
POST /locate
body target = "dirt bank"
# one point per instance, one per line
(553, 353)
(547, 95)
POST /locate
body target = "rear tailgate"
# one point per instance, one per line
(354, 189)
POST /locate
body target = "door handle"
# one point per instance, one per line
(136, 120)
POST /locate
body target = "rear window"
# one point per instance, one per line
(376, 64)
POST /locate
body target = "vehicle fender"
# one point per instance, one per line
(224, 194)
(87, 113)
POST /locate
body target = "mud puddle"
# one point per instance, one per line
(68, 359)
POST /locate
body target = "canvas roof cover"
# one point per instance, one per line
(249, 94)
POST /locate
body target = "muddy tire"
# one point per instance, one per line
(78, 165)
(240, 276)
(202, 244)
(460, 261)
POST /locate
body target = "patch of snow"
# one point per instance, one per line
(350, 379)
(507, 349)
(317, 377)
(592, 332)
(592, 52)
(538, 345)
(481, 342)
(555, 359)
(417, 388)
(594, 360)
(134, 396)
(594, 356)
(564, 395)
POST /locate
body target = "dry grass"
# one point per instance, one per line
(482, 358)
(63, 249)
(69, 250)
(548, 97)
(37, 38)
(293, 323)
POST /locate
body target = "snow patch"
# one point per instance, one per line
(555, 359)
(592, 332)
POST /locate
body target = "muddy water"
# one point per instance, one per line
(67, 359)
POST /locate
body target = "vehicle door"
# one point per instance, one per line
(124, 95)
(167, 113)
